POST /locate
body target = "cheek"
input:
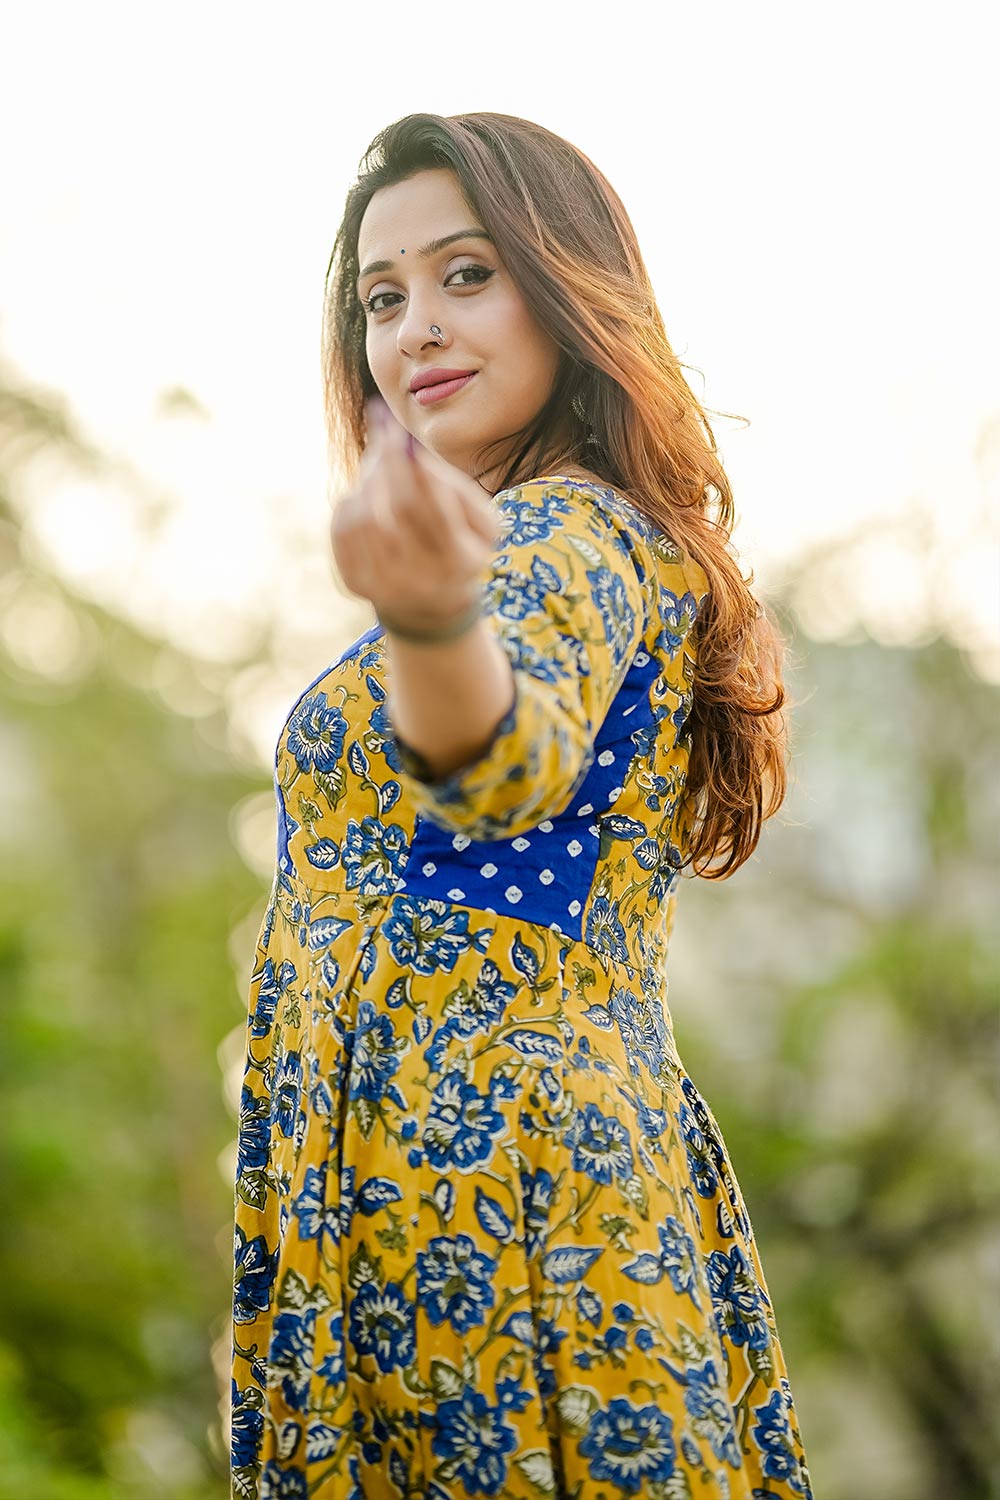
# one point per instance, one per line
(533, 361)
(380, 366)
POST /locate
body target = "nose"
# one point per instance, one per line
(413, 332)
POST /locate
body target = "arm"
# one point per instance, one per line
(566, 604)
(447, 698)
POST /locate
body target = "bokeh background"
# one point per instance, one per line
(813, 189)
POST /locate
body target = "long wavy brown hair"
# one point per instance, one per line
(564, 237)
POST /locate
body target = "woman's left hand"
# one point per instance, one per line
(414, 534)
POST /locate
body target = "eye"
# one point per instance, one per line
(481, 274)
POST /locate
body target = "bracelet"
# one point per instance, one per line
(445, 633)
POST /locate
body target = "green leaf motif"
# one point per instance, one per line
(252, 1187)
(616, 1228)
(536, 1466)
(576, 1405)
(636, 1192)
(244, 1484)
(761, 1362)
(693, 1349)
(363, 1268)
(446, 1381)
(366, 1115)
(331, 784)
(296, 1293)
(413, 1383)
(392, 1239)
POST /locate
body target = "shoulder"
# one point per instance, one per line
(538, 509)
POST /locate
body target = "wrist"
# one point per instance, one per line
(447, 628)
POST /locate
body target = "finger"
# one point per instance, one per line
(460, 508)
(386, 539)
(418, 516)
(403, 479)
(388, 448)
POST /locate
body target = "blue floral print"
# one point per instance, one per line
(488, 1238)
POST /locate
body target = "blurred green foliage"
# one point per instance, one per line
(837, 1004)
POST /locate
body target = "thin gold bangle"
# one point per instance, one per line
(444, 633)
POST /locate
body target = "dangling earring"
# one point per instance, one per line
(577, 405)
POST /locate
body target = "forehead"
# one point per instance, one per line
(407, 214)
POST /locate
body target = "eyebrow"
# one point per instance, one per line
(431, 248)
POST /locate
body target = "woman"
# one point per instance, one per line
(488, 1239)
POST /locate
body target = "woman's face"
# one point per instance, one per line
(466, 291)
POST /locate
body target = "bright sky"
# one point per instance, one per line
(812, 195)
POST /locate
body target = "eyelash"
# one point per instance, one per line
(484, 275)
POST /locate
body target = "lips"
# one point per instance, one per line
(442, 390)
(437, 376)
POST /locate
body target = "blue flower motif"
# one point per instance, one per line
(474, 1438)
(773, 1436)
(455, 1282)
(332, 1367)
(383, 1324)
(376, 1054)
(254, 1137)
(428, 935)
(461, 1125)
(611, 597)
(526, 658)
(521, 596)
(483, 1007)
(287, 1092)
(643, 1029)
(679, 1257)
(277, 1482)
(677, 612)
(707, 1399)
(254, 1272)
(601, 1145)
(291, 1350)
(629, 1445)
(547, 1340)
(247, 1425)
(605, 929)
(536, 1193)
(533, 519)
(316, 1217)
(665, 873)
(738, 1301)
(512, 1395)
(699, 1154)
(272, 987)
(316, 734)
(374, 855)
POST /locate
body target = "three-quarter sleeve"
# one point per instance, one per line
(567, 596)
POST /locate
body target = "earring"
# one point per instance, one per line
(577, 405)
